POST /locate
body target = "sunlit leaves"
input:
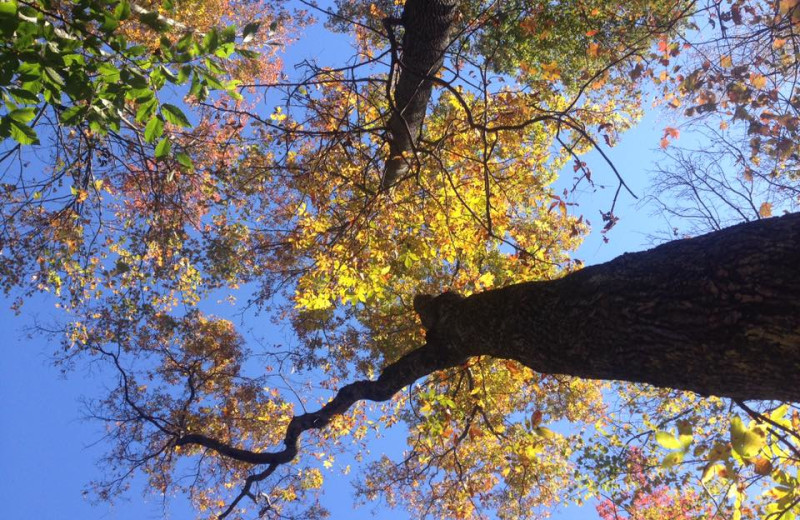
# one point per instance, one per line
(165, 197)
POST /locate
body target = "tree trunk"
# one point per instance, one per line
(427, 26)
(717, 314)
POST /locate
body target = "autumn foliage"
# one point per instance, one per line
(204, 170)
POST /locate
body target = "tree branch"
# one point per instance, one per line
(423, 361)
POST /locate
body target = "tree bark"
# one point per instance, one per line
(427, 26)
(717, 314)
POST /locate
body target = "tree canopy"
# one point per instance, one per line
(398, 210)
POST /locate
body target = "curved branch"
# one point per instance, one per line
(716, 315)
(421, 362)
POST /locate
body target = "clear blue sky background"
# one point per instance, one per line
(48, 453)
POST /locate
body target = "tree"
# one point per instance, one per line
(411, 187)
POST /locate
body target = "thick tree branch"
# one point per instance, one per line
(423, 361)
(428, 24)
(718, 315)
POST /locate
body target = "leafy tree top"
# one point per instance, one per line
(175, 162)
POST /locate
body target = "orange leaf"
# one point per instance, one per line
(765, 211)
(758, 81)
(762, 466)
(787, 5)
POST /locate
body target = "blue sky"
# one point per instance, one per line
(49, 452)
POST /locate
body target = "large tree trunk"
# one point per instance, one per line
(427, 26)
(717, 314)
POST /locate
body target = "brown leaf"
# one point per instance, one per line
(762, 466)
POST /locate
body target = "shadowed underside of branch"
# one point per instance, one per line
(717, 315)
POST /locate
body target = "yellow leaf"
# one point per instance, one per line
(726, 62)
(530, 453)
(547, 433)
(758, 81)
(765, 211)
(676, 457)
(486, 280)
(551, 72)
(710, 471)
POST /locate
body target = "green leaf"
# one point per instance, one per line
(22, 115)
(23, 96)
(23, 134)
(184, 73)
(8, 9)
(109, 23)
(135, 50)
(168, 74)
(247, 53)
(71, 115)
(185, 161)
(211, 40)
(108, 72)
(174, 115)
(54, 76)
(122, 11)
(153, 21)
(250, 31)
(162, 148)
(225, 50)
(213, 82)
(668, 441)
(146, 110)
(154, 129)
(228, 34)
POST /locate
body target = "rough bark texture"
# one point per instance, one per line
(717, 314)
(427, 26)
